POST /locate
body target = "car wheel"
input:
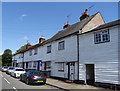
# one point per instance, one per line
(15, 75)
(27, 81)
(20, 78)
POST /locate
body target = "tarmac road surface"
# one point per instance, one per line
(9, 83)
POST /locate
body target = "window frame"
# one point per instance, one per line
(34, 64)
(49, 48)
(48, 64)
(102, 33)
(35, 51)
(61, 43)
(30, 52)
(62, 67)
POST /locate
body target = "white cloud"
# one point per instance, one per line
(21, 18)
(23, 15)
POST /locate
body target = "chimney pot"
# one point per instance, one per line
(41, 39)
(28, 45)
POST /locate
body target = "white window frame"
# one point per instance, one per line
(34, 64)
(102, 36)
(61, 45)
(61, 66)
(48, 64)
(30, 65)
(49, 49)
(35, 51)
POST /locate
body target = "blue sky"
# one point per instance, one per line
(23, 21)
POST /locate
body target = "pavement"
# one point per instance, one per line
(73, 86)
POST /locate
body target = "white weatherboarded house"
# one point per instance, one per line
(60, 53)
(99, 54)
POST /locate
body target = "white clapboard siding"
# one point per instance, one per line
(103, 55)
(70, 54)
(82, 71)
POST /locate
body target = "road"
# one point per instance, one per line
(13, 84)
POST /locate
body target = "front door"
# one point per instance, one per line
(71, 71)
(26, 65)
(44, 65)
(23, 65)
(90, 79)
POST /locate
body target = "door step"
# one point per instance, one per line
(68, 81)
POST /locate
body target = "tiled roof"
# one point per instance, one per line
(72, 29)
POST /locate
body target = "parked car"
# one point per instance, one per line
(4, 68)
(9, 70)
(17, 72)
(33, 76)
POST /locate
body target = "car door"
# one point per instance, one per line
(24, 76)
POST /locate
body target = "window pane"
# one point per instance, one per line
(97, 37)
(102, 36)
(60, 66)
(61, 45)
(35, 51)
(49, 49)
(105, 36)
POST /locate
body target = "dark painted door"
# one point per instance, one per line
(90, 79)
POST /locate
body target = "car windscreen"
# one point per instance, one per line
(5, 67)
(19, 70)
(35, 72)
(11, 68)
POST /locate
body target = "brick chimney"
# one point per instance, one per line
(28, 45)
(66, 25)
(41, 39)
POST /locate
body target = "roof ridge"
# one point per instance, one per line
(69, 30)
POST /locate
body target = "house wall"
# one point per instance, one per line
(19, 58)
(70, 48)
(66, 55)
(119, 53)
(103, 55)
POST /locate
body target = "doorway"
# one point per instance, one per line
(23, 65)
(26, 65)
(90, 74)
(44, 65)
(71, 71)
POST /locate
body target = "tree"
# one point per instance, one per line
(23, 47)
(7, 58)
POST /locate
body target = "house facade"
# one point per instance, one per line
(78, 52)
(99, 55)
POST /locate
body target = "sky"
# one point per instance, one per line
(22, 21)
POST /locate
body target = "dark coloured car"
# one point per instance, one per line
(33, 76)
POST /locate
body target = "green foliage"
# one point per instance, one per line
(23, 47)
(7, 57)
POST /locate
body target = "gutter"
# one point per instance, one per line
(78, 53)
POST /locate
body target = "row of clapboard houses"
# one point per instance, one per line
(87, 51)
